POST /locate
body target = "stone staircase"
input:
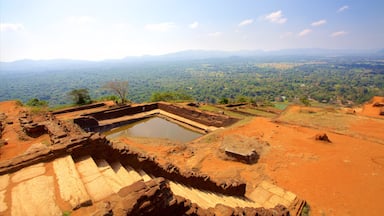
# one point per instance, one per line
(66, 184)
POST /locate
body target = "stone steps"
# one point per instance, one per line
(71, 187)
(113, 180)
(128, 176)
(134, 175)
(144, 175)
(84, 181)
(207, 199)
(95, 183)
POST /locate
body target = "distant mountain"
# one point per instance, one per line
(46, 65)
(32, 65)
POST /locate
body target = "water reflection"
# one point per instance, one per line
(155, 127)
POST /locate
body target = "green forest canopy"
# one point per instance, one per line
(327, 80)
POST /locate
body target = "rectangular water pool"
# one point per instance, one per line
(155, 127)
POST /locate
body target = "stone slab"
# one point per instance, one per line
(275, 200)
(97, 187)
(144, 175)
(123, 174)
(260, 195)
(110, 176)
(28, 172)
(207, 199)
(71, 187)
(35, 197)
(277, 190)
(3, 204)
(134, 175)
(289, 196)
(4, 181)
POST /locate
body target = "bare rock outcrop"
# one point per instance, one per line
(155, 197)
(322, 137)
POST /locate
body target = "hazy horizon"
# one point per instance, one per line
(100, 30)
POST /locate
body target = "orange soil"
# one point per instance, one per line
(11, 132)
(370, 110)
(344, 177)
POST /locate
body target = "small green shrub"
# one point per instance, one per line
(306, 210)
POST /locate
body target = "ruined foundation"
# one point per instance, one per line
(152, 196)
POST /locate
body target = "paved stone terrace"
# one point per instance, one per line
(66, 184)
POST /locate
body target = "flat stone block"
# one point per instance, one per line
(35, 197)
(3, 204)
(260, 195)
(4, 181)
(71, 187)
(277, 190)
(289, 196)
(266, 185)
(275, 200)
(28, 173)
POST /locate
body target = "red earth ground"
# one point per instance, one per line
(345, 177)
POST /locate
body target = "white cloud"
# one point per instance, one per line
(215, 34)
(245, 22)
(319, 23)
(80, 20)
(160, 27)
(343, 8)
(276, 17)
(193, 25)
(11, 27)
(339, 33)
(305, 32)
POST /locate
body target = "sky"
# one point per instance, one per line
(113, 29)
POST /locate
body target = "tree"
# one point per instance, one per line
(170, 96)
(80, 96)
(34, 102)
(305, 101)
(120, 88)
(223, 101)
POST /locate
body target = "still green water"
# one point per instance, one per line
(154, 127)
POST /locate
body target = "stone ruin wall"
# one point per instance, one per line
(74, 109)
(142, 198)
(201, 117)
(90, 121)
(121, 111)
(149, 197)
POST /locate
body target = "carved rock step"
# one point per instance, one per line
(144, 175)
(127, 174)
(95, 183)
(207, 199)
(71, 187)
(114, 181)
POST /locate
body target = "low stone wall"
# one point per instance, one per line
(121, 111)
(74, 109)
(206, 118)
(90, 121)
